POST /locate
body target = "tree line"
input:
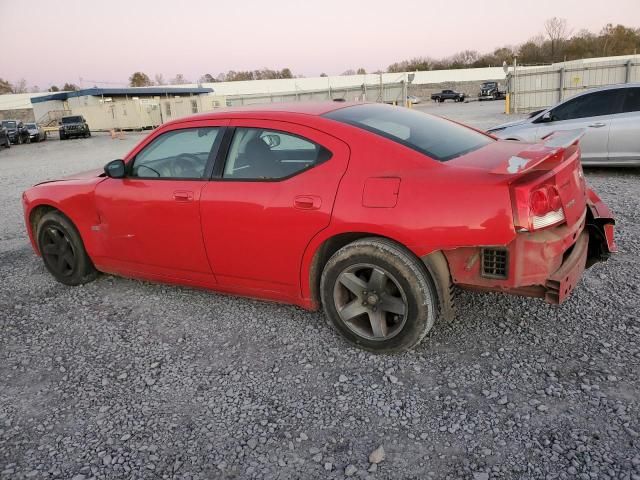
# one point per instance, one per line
(555, 44)
(141, 79)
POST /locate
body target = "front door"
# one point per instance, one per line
(275, 192)
(150, 220)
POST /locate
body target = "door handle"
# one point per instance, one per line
(182, 196)
(597, 125)
(307, 202)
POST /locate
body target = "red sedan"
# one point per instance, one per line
(372, 211)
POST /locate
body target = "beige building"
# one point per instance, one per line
(124, 108)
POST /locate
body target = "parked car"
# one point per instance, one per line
(74, 126)
(372, 211)
(16, 131)
(448, 95)
(491, 91)
(413, 100)
(36, 132)
(610, 117)
(4, 138)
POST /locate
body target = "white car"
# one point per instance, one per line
(610, 117)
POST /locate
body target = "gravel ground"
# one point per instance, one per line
(127, 379)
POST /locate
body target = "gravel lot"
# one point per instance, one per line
(126, 379)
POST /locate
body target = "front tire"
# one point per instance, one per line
(62, 250)
(378, 295)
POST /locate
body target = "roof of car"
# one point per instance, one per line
(304, 108)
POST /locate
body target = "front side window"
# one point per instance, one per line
(262, 154)
(594, 104)
(178, 154)
(433, 136)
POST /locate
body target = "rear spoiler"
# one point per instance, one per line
(551, 147)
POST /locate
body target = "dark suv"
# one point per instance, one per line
(74, 126)
(16, 131)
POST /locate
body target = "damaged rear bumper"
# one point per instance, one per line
(546, 264)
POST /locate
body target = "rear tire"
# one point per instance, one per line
(378, 295)
(62, 250)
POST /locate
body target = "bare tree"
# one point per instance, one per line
(20, 86)
(557, 32)
(158, 79)
(178, 80)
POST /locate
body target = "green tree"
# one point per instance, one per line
(361, 71)
(70, 87)
(53, 88)
(139, 79)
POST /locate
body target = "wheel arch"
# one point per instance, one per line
(435, 263)
(35, 215)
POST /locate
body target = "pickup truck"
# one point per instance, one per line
(448, 95)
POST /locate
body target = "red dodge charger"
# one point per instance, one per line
(372, 211)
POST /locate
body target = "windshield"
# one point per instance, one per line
(436, 137)
(72, 119)
(31, 126)
(489, 85)
(8, 124)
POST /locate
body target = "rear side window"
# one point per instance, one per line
(262, 154)
(435, 137)
(632, 100)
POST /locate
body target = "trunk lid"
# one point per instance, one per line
(555, 162)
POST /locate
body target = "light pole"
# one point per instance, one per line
(515, 83)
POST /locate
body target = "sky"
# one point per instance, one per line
(49, 42)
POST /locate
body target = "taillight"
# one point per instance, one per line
(545, 207)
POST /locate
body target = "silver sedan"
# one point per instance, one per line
(610, 117)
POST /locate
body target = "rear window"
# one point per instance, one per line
(435, 137)
(72, 120)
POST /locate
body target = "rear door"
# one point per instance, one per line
(624, 136)
(592, 112)
(274, 192)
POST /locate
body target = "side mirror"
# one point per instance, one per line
(115, 169)
(546, 117)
